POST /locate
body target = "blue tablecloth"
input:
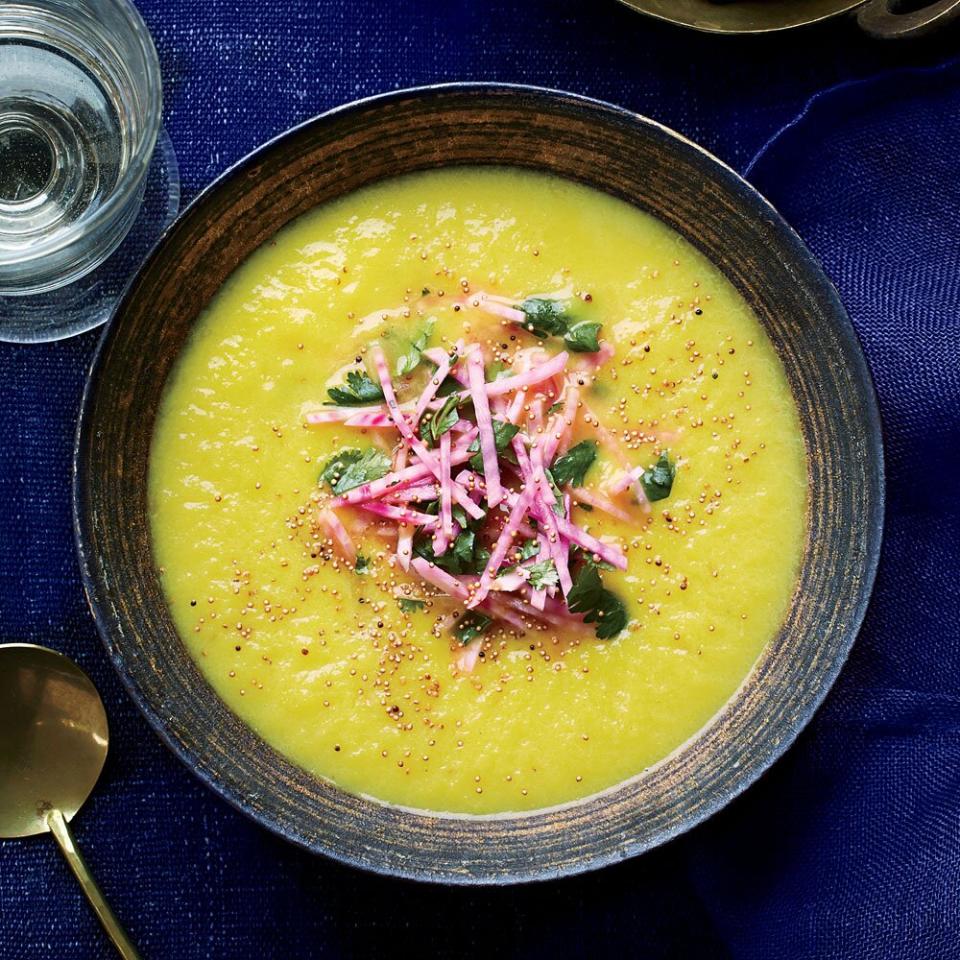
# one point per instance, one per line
(850, 846)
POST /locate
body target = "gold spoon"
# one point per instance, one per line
(53, 742)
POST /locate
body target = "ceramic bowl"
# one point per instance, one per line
(611, 150)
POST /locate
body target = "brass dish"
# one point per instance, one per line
(611, 150)
(880, 18)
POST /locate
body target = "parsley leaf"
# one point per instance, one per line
(543, 575)
(657, 482)
(357, 391)
(410, 606)
(503, 433)
(573, 465)
(448, 385)
(558, 506)
(465, 555)
(589, 597)
(582, 337)
(528, 549)
(352, 468)
(443, 419)
(470, 626)
(362, 564)
(544, 318)
(409, 360)
(555, 407)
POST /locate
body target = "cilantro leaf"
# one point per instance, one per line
(470, 626)
(589, 597)
(657, 482)
(503, 433)
(555, 407)
(558, 505)
(443, 420)
(352, 468)
(463, 547)
(528, 549)
(409, 360)
(573, 465)
(410, 606)
(357, 391)
(582, 337)
(544, 318)
(543, 575)
(465, 555)
(362, 564)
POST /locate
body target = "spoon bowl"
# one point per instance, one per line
(53, 744)
(53, 738)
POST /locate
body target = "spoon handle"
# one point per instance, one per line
(58, 827)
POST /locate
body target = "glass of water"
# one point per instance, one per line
(80, 113)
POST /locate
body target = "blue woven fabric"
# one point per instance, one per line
(850, 846)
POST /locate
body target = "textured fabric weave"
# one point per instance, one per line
(848, 847)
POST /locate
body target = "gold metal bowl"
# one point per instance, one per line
(881, 18)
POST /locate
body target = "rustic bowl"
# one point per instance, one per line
(609, 149)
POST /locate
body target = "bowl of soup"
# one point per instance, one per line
(479, 484)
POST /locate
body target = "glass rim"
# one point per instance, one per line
(136, 170)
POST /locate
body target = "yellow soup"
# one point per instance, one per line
(321, 660)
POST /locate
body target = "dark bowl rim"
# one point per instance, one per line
(746, 193)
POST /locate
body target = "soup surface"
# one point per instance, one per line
(331, 664)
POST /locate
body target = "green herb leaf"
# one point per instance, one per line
(572, 467)
(657, 482)
(362, 564)
(589, 597)
(465, 555)
(410, 606)
(544, 318)
(463, 547)
(443, 420)
(470, 626)
(447, 386)
(503, 433)
(357, 391)
(582, 337)
(555, 407)
(410, 359)
(585, 506)
(558, 507)
(352, 468)
(543, 575)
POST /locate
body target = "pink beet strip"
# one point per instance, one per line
(439, 578)
(529, 378)
(488, 449)
(489, 305)
(467, 658)
(400, 514)
(433, 384)
(338, 533)
(377, 421)
(341, 414)
(383, 372)
(509, 582)
(412, 494)
(504, 542)
(544, 499)
(588, 362)
(497, 606)
(561, 426)
(405, 532)
(446, 495)
(581, 538)
(625, 479)
(598, 500)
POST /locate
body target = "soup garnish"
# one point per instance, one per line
(480, 482)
